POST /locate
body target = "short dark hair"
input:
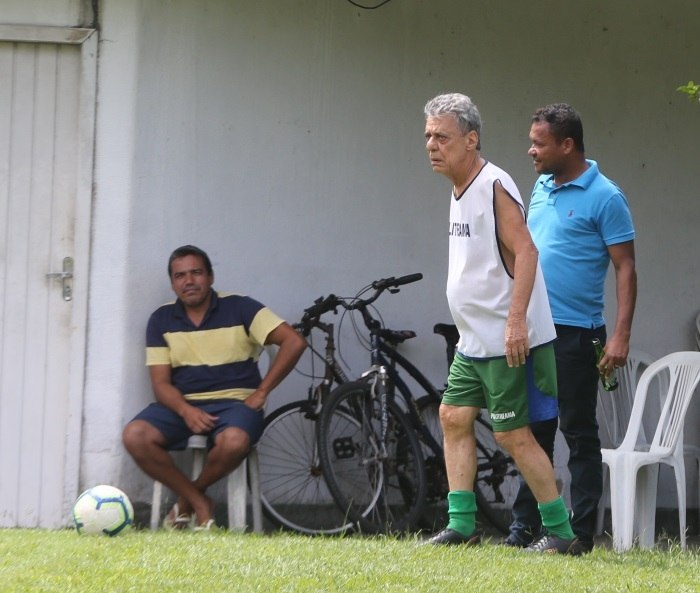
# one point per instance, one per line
(564, 122)
(186, 250)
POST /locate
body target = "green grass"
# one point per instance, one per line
(165, 562)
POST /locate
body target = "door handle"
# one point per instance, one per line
(66, 278)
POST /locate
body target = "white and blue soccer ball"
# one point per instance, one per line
(103, 510)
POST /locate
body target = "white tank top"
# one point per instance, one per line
(479, 287)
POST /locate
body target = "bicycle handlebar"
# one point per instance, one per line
(379, 287)
(321, 306)
(331, 302)
(385, 283)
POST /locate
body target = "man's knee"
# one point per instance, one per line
(233, 440)
(137, 434)
(456, 420)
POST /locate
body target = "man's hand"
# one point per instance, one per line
(616, 351)
(197, 420)
(256, 400)
(517, 345)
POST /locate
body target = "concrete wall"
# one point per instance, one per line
(56, 13)
(286, 138)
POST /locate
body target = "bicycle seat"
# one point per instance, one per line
(448, 331)
(396, 336)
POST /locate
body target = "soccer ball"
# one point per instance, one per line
(103, 509)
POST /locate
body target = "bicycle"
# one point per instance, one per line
(374, 452)
(294, 495)
(291, 480)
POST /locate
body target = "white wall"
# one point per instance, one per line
(56, 13)
(286, 138)
(114, 363)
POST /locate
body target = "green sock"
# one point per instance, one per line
(555, 518)
(462, 511)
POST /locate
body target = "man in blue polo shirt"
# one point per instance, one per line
(202, 353)
(580, 222)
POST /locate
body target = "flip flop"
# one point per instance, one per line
(177, 520)
(209, 525)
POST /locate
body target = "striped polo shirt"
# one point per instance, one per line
(219, 358)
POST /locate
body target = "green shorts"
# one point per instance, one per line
(507, 393)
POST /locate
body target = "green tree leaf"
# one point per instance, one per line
(691, 89)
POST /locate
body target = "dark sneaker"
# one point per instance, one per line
(450, 537)
(581, 546)
(551, 544)
(513, 542)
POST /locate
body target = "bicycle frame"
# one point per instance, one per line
(396, 358)
(384, 359)
(385, 356)
(333, 372)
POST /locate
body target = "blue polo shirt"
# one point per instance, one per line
(218, 358)
(572, 226)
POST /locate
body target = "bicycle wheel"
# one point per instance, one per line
(496, 483)
(429, 411)
(436, 507)
(293, 491)
(382, 487)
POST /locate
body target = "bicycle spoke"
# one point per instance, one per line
(383, 488)
(293, 492)
(356, 466)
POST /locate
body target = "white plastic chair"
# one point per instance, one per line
(236, 486)
(615, 407)
(614, 411)
(634, 470)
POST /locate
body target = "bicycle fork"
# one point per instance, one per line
(379, 393)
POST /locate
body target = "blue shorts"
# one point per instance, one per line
(230, 413)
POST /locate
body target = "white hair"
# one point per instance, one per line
(461, 107)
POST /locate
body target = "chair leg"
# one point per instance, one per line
(697, 460)
(622, 505)
(236, 499)
(645, 498)
(679, 470)
(197, 462)
(693, 452)
(155, 504)
(254, 474)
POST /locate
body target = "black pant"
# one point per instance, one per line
(577, 379)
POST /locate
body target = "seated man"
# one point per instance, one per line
(201, 352)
